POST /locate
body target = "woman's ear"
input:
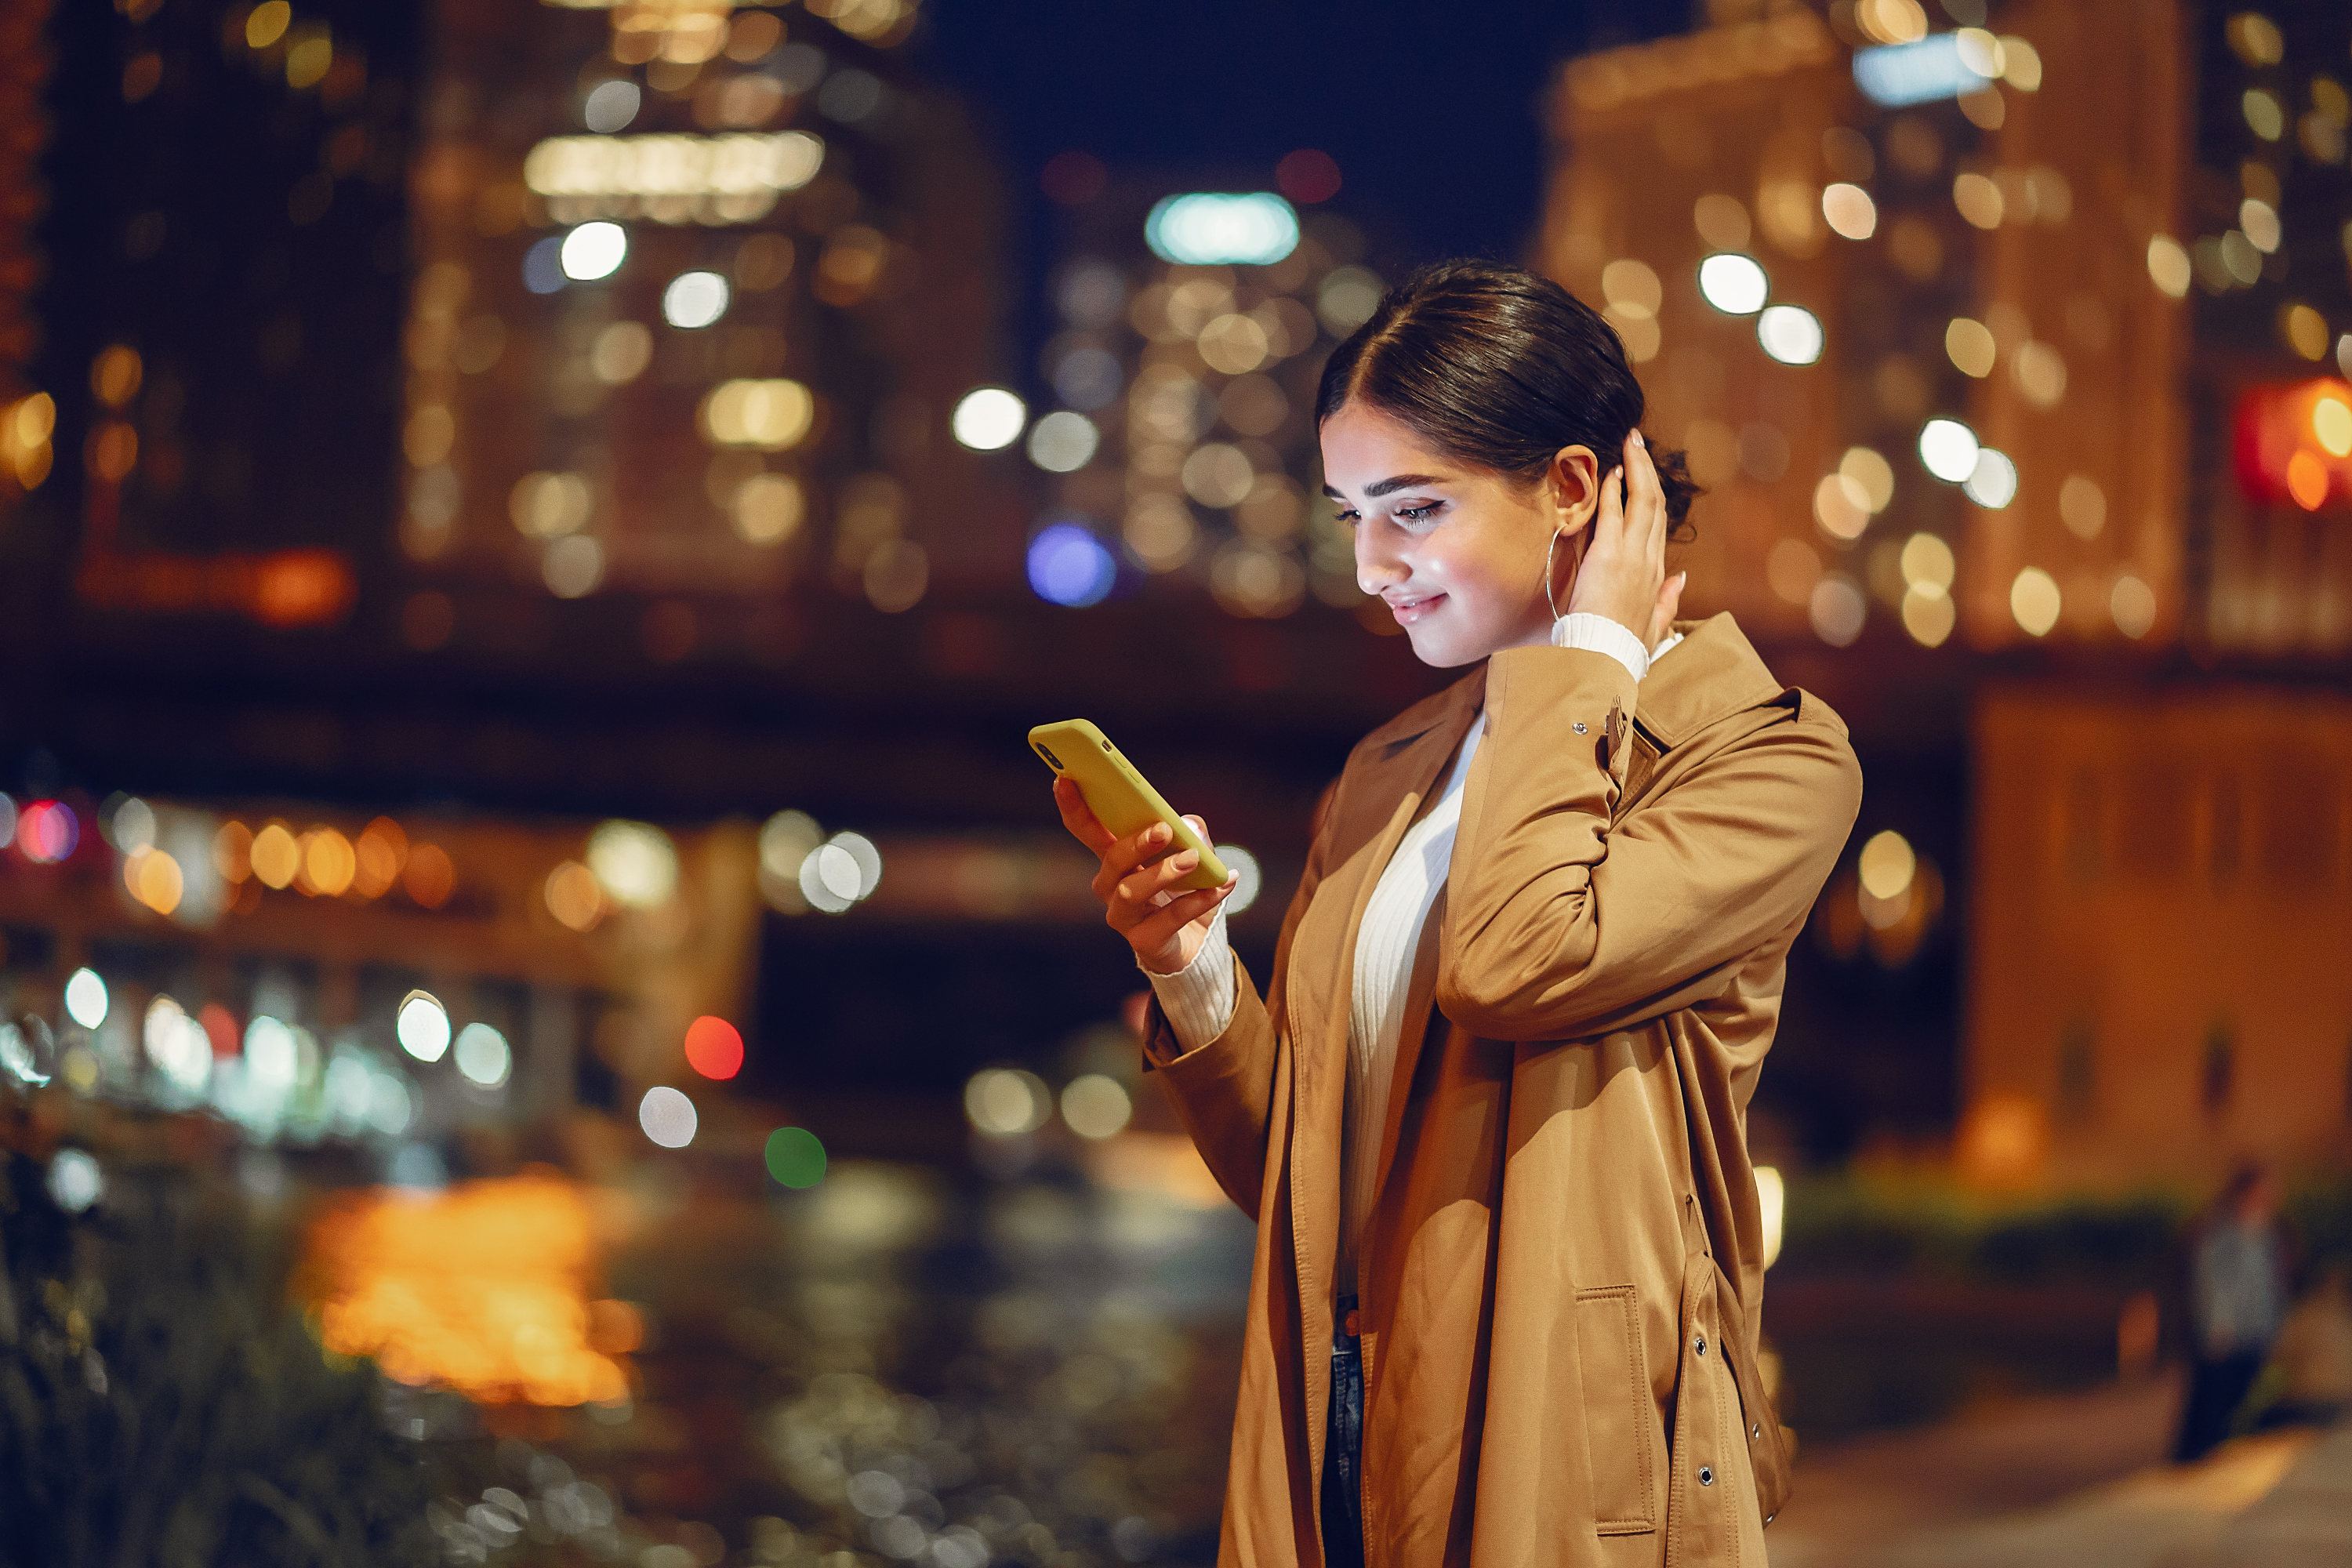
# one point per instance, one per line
(1573, 488)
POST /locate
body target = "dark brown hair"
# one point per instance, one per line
(1501, 368)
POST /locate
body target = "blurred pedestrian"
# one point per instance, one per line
(2237, 1300)
(1489, 1113)
(2311, 1361)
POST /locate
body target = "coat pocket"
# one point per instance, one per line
(1620, 1418)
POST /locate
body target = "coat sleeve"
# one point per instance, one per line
(1558, 928)
(1222, 1089)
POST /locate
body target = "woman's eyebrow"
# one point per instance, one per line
(1389, 486)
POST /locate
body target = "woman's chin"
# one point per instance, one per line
(1442, 647)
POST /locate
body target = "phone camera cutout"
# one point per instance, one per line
(1051, 760)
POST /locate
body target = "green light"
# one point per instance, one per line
(795, 1158)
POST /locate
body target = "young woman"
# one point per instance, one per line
(1490, 1113)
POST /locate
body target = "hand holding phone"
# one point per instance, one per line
(1160, 880)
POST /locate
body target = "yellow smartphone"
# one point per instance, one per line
(1121, 798)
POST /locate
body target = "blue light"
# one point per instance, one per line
(1204, 229)
(542, 267)
(1068, 565)
(1895, 74)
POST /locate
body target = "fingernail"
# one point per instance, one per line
(1637, 440)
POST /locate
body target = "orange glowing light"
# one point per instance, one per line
(220, 1029)
(2306, 482)
(2004, 1140)
(154, 878)
(233, 851)
(2294, 443)
(381, 850)
(328, 863)
(430, 877)
(484, 1288)
(714, 1048)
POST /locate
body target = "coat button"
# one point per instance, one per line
(1579, 730)
(1706, 1475)
(1758, 1431)
(1699, 1344)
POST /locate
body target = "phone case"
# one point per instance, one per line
(1121, 798)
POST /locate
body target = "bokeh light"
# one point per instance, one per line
(86, 998)
(1949, 450)
(593, 250)
(1733, 283)
(1096, 1105)
(1209, 229)
(695, 300)
(1992, 482)
(1249, 878)
(2034, 600)
(75, 1181)
(988, 419)
(714, 1048)
(47, 832)
(634, 862)
(422, 1025)
(1064, 442)
(483, 1055)
(1069, 565)
(1006, 1102)
(1790, 333)
(611, 105)
(667, 1117)
(794, 1157)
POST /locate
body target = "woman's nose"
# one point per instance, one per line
(1377, 565)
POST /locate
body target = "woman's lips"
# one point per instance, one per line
(1408, 614)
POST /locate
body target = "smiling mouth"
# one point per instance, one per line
(1411, 610)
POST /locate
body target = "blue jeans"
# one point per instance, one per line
(1343, 1448)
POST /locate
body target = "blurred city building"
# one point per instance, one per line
(2011, 342)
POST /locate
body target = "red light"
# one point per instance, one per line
(219, 1028)
(2292, 443)
(1308, 177)
(47, 832)
(714, 1048)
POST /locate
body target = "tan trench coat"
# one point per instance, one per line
(1563, 1266)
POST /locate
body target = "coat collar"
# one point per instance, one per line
(1712, 673)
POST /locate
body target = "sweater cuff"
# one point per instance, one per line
(1199, 997)
(1598, 634)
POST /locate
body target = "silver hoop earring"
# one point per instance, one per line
(1548, 551)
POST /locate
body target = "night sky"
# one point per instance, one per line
(1434, 115)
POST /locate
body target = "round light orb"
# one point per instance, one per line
(1887, 865)
(1096, 1105)
(75, 1180)
(1068, 565)
(693, 299)
(2034, 600)
(483, 1055)
(1790, 333)
(1733, 283)
(667, 1117)
(422, 1025)
(1006, 1102)
(634, 862)
(988, 419)
(594, 250)
(1992, 483)
(86, 999)
(611, 106)
(1064, 442)
(1949, 450)
(1249, 879)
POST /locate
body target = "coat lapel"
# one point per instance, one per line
(1402, 766)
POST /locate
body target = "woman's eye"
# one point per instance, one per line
(1416, 514)
(1350, 517)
